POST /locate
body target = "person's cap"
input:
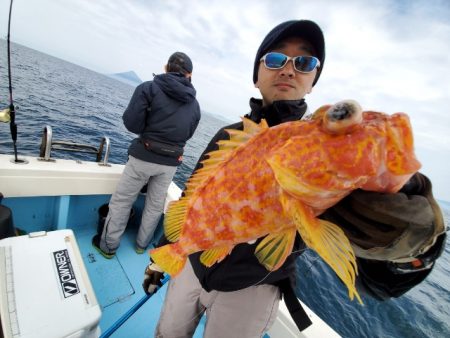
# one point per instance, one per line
(180, 62)
(305, 29)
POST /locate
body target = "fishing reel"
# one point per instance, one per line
(5, 115)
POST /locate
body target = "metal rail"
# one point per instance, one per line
(48, 144)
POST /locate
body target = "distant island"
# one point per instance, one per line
(129, 78)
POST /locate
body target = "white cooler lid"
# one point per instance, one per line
(45, 290)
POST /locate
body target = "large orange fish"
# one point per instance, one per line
(275, 181)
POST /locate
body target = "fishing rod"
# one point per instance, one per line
(12, 111)
(131, 311)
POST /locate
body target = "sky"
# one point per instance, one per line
(390, 56)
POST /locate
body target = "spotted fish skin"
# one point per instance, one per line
(275, 181)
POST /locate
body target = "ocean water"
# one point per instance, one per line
(83, 106)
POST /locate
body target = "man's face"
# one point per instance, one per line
(286, 83)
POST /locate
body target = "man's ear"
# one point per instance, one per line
(257, 84)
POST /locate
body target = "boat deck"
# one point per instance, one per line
(117, 285)
(65, 194)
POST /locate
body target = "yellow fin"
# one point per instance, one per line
(169, 259)
(216, 158)
(174, 219)
(215, 255)
(228, 145)
(273, 250)
(210, 164)
(254, 128)
(237, 135)
(327, 239)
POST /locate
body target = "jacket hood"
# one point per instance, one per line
(176, 86)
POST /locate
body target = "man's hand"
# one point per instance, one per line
(396, 237)
(152, 278)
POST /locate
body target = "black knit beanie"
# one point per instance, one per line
(305, 29)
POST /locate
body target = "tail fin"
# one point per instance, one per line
(169, 259)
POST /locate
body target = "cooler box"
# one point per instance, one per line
(45, 290)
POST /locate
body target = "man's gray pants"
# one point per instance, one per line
(136, 174)
(246, 313)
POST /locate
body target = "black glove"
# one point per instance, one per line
(152, 278)
(396, 237)
(390, 227)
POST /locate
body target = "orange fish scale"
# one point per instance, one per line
(249, 219)
(361, 157)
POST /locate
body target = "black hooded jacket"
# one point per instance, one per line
(163, 110)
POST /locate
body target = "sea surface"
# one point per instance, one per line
(83, 106)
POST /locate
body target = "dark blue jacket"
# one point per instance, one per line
(163, 110)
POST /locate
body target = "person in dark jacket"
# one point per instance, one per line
(396, 237)
(164, 113)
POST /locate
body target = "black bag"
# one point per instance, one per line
(163, 148)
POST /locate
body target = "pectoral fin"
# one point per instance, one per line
(287, 178)
(275, 248)
(326, 238)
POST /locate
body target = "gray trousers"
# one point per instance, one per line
(247, 313)
(135, 175)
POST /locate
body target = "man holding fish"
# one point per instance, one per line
(259, 196)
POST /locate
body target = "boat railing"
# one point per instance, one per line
(48, 144)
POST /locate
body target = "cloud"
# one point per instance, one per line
(389, 55)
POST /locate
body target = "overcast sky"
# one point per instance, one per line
(388, 55)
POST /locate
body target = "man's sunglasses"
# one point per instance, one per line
(302, 64)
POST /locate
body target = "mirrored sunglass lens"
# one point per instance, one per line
(275, 60)
(305, 63)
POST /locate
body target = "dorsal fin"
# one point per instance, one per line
(226, 148)
(254, 128)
